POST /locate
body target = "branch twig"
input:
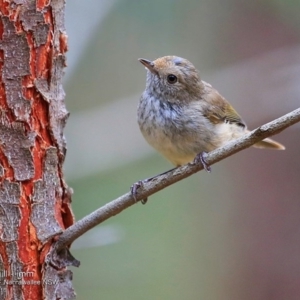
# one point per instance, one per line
(116, 206)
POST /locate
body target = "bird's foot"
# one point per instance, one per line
(140, 183)
(135, 187)
(200, 158)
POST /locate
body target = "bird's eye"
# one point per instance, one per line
(172, 78)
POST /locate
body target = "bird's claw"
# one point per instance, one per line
(134, 188)
(200, 158)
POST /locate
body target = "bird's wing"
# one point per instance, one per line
(218, 109)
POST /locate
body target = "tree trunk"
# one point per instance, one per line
(34, 198)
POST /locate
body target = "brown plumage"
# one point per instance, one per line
(180, 115)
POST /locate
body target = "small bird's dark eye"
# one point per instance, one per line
(172, 78)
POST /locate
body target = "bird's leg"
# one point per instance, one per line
(200, 158)
(134, 188)
(163, 173)
(137, 185)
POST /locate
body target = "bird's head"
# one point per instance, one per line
(172, 78)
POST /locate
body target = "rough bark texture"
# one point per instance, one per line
(34, 198)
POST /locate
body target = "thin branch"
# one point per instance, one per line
(149, 188)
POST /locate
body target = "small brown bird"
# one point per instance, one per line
(181, 115)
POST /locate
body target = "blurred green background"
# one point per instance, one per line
(232, 234)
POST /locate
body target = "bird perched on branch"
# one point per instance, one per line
(182, 116)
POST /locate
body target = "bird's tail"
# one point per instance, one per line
(268, 144)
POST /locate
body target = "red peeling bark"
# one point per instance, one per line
(34, 198)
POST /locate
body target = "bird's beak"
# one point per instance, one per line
(149, 65)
